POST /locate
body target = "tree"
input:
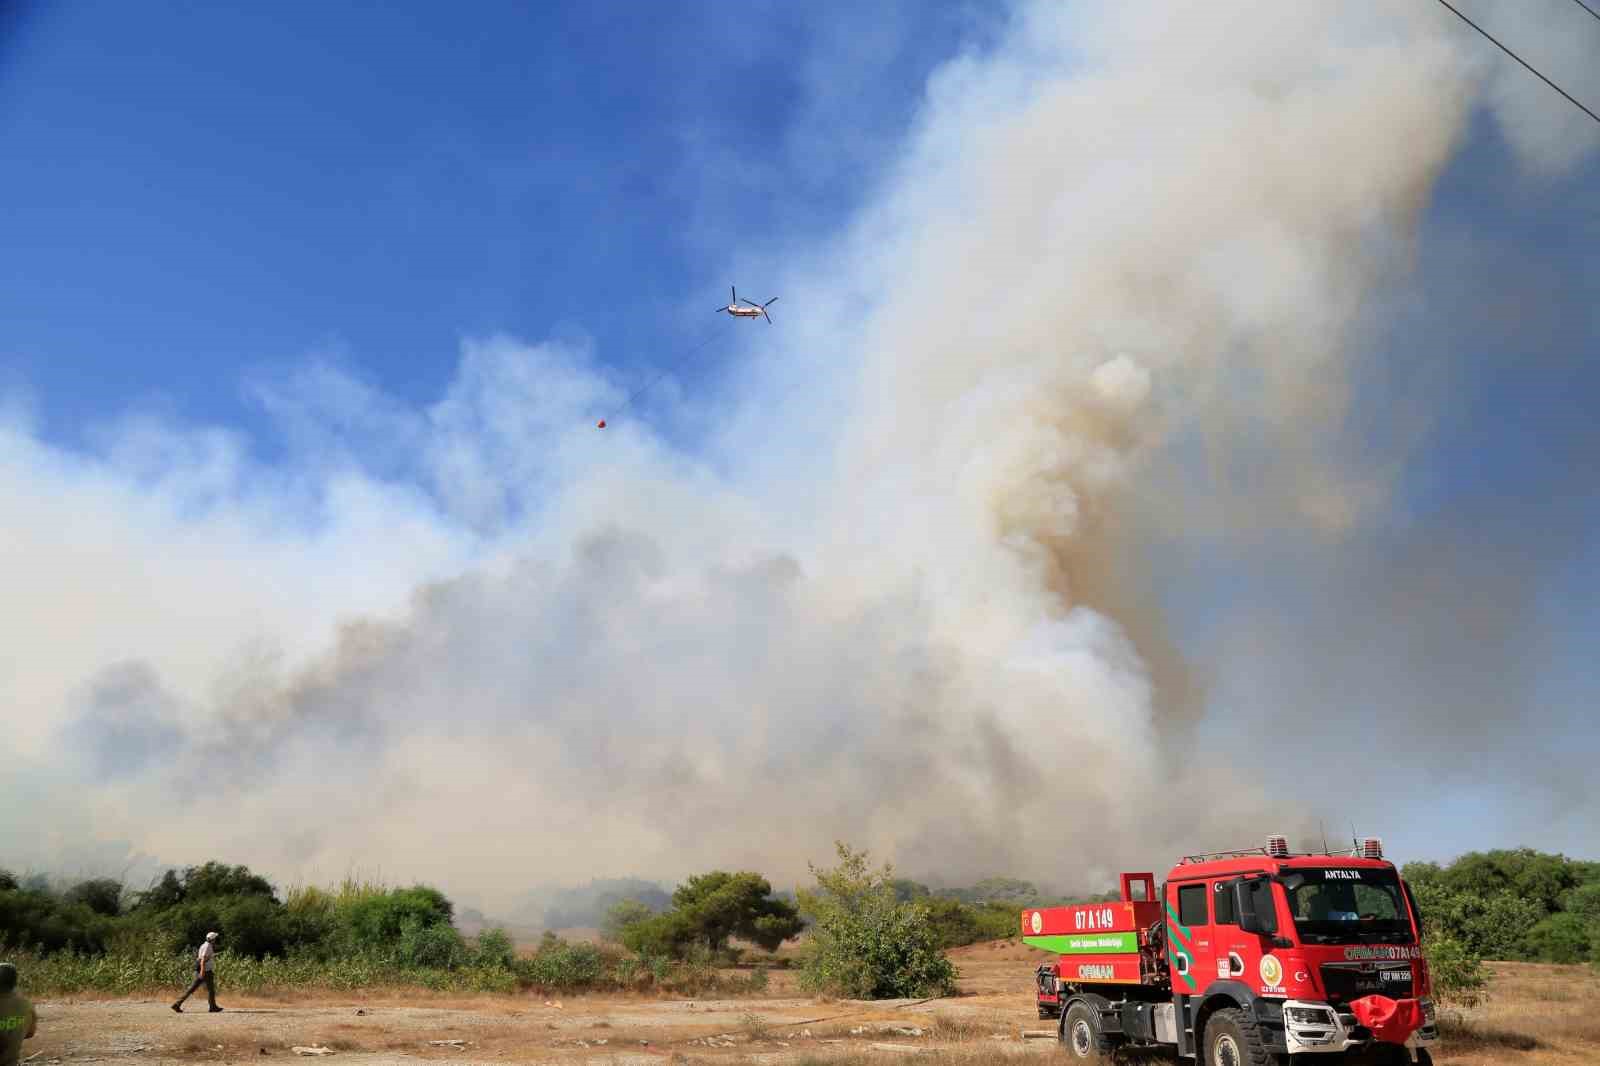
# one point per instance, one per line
(379, 920)
(1457, 971)
(1561, 937)
(717, 906)
(666, 935)
(220, 879)
(101, 895)
(1009, 889)
(905, 889)
(495, 948)
(165, 893)
(955, 923)
(585, 906)
(622, 914)
(864, 942)
(707, 910)
(1535, 876)
(1494, 926)
(1584, 901)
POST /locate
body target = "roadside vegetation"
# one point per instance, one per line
(864, 932)
(869, 935)
(97, 936)
(1510, 905)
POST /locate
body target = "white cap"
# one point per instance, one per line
(211, 936)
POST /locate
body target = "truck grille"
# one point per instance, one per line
(1345, 981)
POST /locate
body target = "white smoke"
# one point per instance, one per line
(484, 644)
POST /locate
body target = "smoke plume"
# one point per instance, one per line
(1107, 318)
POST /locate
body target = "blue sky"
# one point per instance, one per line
(194, 191)
(199, 200)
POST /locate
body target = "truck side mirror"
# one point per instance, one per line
(1252, 902)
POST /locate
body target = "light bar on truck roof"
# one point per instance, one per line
(1371, 848)
(1278, 846)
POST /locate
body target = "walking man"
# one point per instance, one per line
(17, 1020)
(203, 975)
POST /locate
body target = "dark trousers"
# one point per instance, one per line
(208, 979)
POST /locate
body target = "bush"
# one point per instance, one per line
(1457, 972)
(357, 935)
(216, 879)
(561, 964)
(1561, 938)
(1512, 903)
(622, 914)
(1493, 927)
(865, 943)
(101, 895)
(431, 946)
(954, 923)
(494, 949)
(375, 921)
(30, 918)
(310, 923)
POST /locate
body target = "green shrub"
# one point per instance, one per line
(430, 946)
(310, 923)
(865, 943)
(1457, 971)
(30, 918)
(559, 964)
(375, 921)
(1562, 937)
(101, 895)
(622, 914)
(494, 949)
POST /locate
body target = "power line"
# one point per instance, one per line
(1589, 9)
(1519, 59)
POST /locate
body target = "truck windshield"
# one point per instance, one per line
(1347, 906)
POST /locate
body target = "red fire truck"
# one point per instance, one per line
(1244, 958)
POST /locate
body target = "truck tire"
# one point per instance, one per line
(1232, 1039)
(1423, 1058)
(1080, 1033)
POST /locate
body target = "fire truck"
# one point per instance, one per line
(1244, 958)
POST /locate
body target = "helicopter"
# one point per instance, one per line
(755, 310)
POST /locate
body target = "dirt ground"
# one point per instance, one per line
(1538, 1016)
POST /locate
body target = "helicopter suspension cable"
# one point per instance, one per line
(667, 369)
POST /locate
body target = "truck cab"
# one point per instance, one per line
(1242, 957)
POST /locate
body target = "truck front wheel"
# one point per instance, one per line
(1080, 1032)
(1232, 1039)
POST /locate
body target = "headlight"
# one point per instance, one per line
(1309, 1015)
(1427, 1010)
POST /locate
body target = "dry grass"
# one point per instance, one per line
(983, 1053)
(950, 1027)
(1536, 1015)
(197, 1043)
